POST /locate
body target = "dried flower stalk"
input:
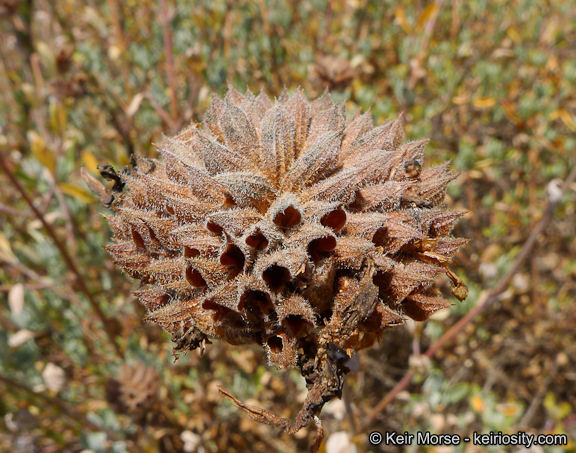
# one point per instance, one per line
(284, 224)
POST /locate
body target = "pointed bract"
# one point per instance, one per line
(277, 136)
(314, 164)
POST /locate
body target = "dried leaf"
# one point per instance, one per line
(54, 377)
(76, 192)
(6, 253)
(20, 337)
(400, 15)
(16, 299)
(429, 11)
(134, 105)
(41, 151)
(90, 161)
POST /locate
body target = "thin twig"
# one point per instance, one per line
(12, 211)
(31, 286)
(45, 204)
(160, 111)
(69, 228)
(486, 299)
(64, 252)
(165, 21)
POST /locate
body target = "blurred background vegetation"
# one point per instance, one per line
(492, 83)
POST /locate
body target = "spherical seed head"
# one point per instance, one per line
(135, 390)
(285, 224)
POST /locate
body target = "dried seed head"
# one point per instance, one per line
(286, 225)
(135, 390)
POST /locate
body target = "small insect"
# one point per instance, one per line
(413, 168)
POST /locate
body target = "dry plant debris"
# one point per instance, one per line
(285, 224)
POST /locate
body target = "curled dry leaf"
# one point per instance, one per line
(285, 225)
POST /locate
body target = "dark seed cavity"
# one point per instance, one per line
(257, 241)
(137, 237)
(260, 297)
(194, 277)
(152, 235)
(190, 252)
(380, 238)
(288, 218)
(232, 256)
(318, 247)
(275, 344)
(275, 276)
(214, 228)
(295, 323)
(334, 220)
(219, 310)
